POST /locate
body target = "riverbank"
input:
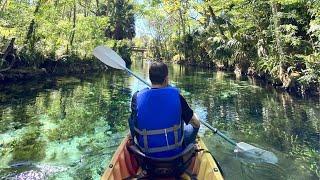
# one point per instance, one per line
(20, 63)
(287, 81)
(51, 68)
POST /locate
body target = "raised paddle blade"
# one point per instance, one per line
(109, 57)
(255, 153)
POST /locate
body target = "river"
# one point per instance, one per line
(69, 127)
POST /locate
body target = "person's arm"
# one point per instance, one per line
(133, 115)
(188, 115)
(195, 122)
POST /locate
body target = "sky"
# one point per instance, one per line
(142, 27)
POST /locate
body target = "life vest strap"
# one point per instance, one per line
(145, 133)
(145, 139)
(175, 131)
(157, 131)
(161, 148)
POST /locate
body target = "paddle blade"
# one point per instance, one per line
(256, 153)
(109, 57)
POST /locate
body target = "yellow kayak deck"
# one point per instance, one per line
(124, 165)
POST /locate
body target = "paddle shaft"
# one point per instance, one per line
(215, 130)
(132, 73)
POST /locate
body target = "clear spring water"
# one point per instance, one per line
(69, 127)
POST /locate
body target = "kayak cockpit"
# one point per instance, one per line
(124, 165)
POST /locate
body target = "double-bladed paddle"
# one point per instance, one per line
(112, 59)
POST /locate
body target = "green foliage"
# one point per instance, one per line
(123, 47)
(30, 146)
(274, 37)
(311, 74)
(122, 23)
(66, 29)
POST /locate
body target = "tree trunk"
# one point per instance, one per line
(276, 22)
(74, 23)
(31, 28)
(179, 37)
(277, 36)
(97, 4)
(183, 26)
(282, 73)
(85, 8)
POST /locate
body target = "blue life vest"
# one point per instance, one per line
(159, 128)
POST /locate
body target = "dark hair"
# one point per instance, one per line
(158, 71)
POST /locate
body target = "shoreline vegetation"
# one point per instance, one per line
(275, 41)
(17, 66)
(69, 65)
(290, 84)
(39, 38)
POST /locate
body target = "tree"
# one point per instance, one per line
(121, 21)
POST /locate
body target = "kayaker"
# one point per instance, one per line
(161, 122)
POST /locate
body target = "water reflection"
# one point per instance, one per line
(72, 123)
(277, 122)
(70, 126)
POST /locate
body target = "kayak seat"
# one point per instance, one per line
(163, 167)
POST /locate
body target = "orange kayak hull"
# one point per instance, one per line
(124, 165)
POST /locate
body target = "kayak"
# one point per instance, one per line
(123, 164)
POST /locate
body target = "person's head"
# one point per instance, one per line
(158, 73)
